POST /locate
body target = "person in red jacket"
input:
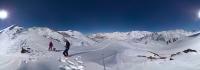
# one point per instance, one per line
(50, 46)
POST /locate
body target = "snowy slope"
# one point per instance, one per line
(13, 38)
(78, 38)
(16, 35)
(128, 58)
(135, 50)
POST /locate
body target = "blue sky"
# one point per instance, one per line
(91, 16)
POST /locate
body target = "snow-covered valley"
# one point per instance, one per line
(135, 50)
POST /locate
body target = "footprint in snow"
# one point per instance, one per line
(71, 64)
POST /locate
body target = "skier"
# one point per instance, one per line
(50, 46)
(67, 46)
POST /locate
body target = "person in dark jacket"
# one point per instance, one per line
(50, 46)
(67, 46)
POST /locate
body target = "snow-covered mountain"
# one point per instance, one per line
(164, 36)
(120, 35)
(15, 36)
(135, 50)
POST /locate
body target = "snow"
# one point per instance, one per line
(120, 35)
(135, 50)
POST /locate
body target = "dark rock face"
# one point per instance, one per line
(175, 54)
(189, 50)
(157, 56)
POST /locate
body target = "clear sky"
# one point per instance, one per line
(91, 16)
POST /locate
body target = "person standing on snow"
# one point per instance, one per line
(50, 46)
(67, 46)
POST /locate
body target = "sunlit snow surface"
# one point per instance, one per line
(110, 51)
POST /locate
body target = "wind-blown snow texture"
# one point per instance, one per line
(135, 50)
